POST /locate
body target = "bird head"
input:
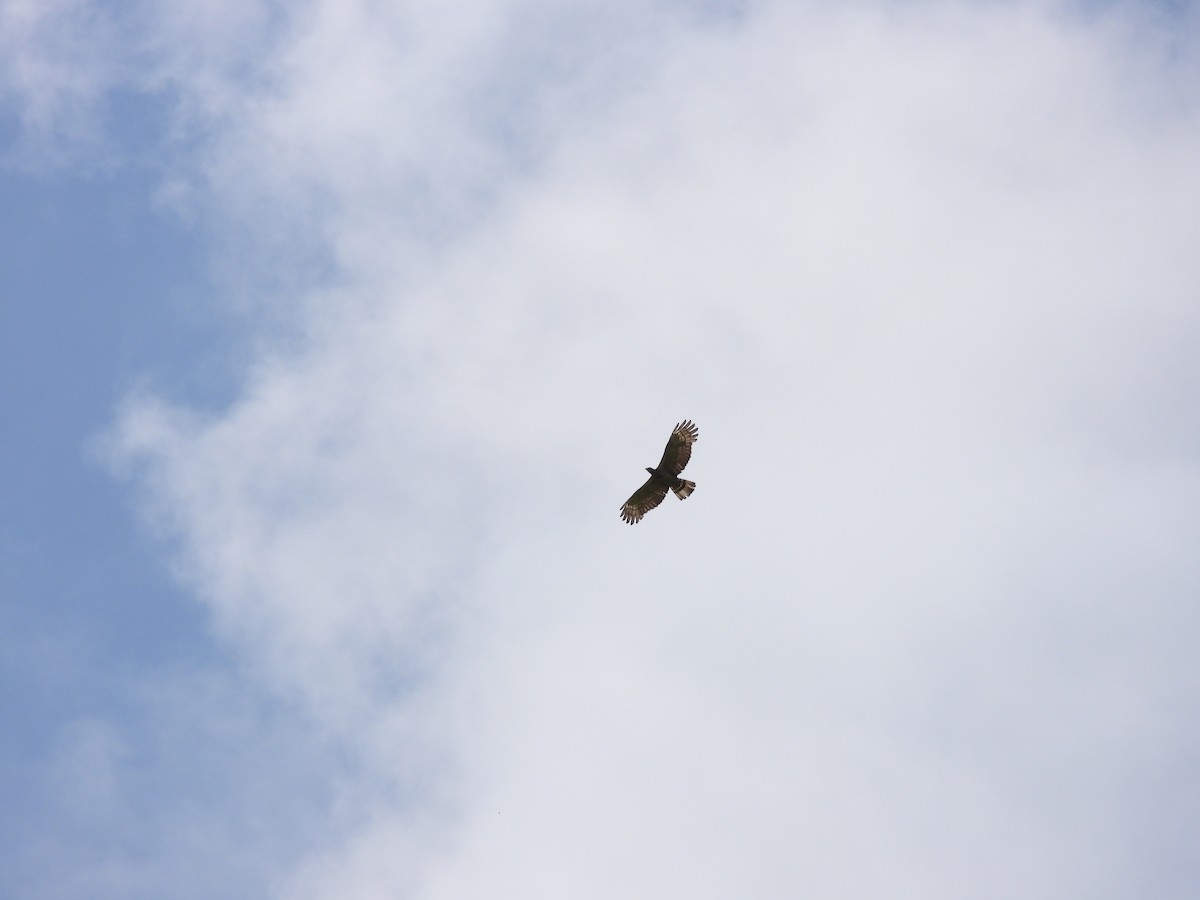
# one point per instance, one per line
(650, 470)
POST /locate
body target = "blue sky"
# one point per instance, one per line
(98, 293)
(333, 336)
(102, 294)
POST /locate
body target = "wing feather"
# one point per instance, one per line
(644, 499)
(679, 447)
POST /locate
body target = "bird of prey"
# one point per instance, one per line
(675, 457)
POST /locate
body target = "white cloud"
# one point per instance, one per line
(922, 273)
(55, 61)
(78, 77)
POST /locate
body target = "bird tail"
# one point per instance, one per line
(683, 488)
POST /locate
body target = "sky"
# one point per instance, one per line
(334, 334)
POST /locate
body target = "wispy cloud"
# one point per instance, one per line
(58, 60)
(922, 273)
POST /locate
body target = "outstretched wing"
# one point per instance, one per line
(679, 447)
(644, 499)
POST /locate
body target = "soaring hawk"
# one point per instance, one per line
(675, 457)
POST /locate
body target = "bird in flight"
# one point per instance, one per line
(675, 457)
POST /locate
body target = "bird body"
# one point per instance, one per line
(666, 476)
(681, 486)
